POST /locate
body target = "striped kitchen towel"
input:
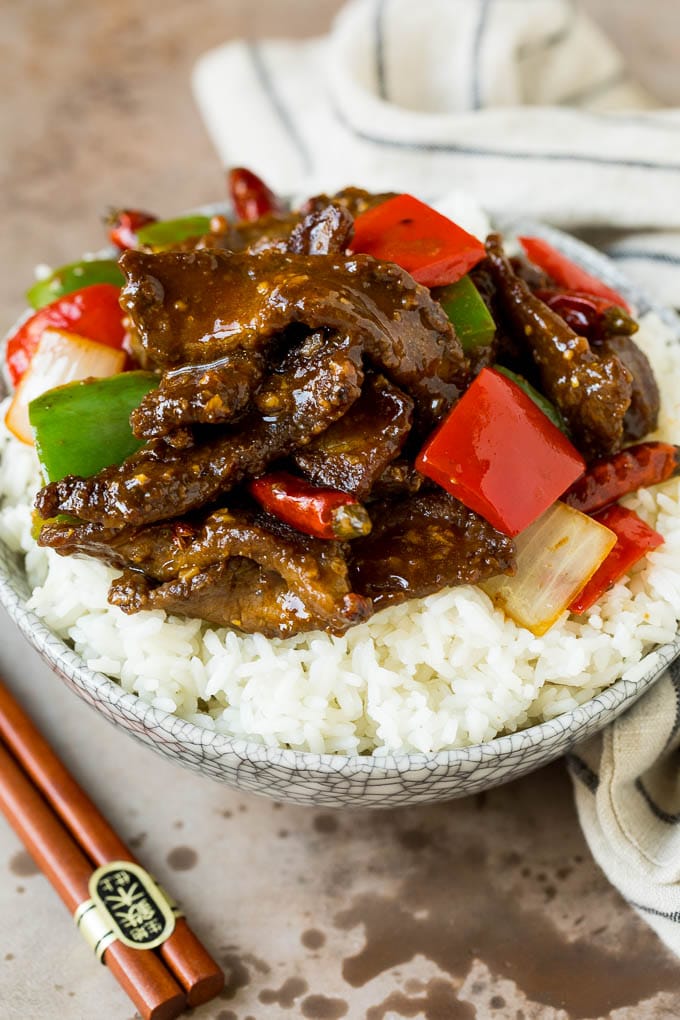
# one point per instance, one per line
(627, 786)
(524, 104)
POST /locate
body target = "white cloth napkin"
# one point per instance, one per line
(526, 106)
(627, 786)
(522, 103)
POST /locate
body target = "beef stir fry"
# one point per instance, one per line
(299, 382)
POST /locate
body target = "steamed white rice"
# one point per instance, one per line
(440, 672)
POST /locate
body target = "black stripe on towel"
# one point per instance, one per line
(380, 69)
(640, 253)
(671, 818)
(583, 772)
(269, 88)
(673, 915)
(454, 149)
(477, 46)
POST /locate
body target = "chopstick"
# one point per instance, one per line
(67, 834)
(152, 989)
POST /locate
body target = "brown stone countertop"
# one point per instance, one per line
(489, 907)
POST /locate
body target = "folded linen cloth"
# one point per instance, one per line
(522, 103)
(627, 786)
(526, 106)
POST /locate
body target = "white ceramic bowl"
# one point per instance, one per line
(340, 780)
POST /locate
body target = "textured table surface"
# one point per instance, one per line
(489, 907)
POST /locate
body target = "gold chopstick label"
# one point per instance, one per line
(125, 904)
(94, 927)
(172, 903)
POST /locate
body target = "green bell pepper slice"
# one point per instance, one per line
(73, 277)
(83, 427)
(466, 309)
(541, 402)
(169, 232)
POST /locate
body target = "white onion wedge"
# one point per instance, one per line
(556, 556)
(60, 357)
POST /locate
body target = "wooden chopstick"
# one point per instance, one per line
(190, 963)
(141, 973)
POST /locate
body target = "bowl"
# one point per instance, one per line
(333, 780)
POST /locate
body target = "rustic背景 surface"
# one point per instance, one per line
(488, 907)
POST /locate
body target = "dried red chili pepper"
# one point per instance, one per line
(588, 315)
(124, 224)
(566, 273)
(634, 539)
(249, 194)
(636, 467)
(320, 512)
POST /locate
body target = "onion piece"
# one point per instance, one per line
(60, 357)
(556, 556)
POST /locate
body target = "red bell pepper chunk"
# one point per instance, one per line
(634, 539)
(433, 249)
(314, 510)
(92, 312)
(567, 274)
(500, 455)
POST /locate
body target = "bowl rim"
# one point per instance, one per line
(104, 691)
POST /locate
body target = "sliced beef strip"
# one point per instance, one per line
(273, 232)
(96, 540)
(193, 307)
(533, 276)
(423, 543)
(282, 231)
(642, 416)
(323, 380)
(325, 228)
(218, 391)
(236, 593)
(353, 453)
(313, 570)
(355, 200)
(268, 233)
(324, 231)
(294, 393)
(199, 394)
(593, 393)
(399, 478)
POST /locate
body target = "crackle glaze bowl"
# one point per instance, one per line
(340, 780)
